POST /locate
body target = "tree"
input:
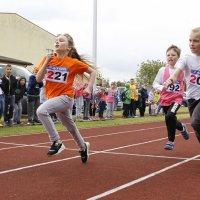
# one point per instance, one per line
(147, 71)
(121, 84)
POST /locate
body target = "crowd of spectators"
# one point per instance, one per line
(99, 105)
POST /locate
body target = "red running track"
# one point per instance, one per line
(126, 162)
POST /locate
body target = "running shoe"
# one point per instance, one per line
(169, 146)
(184, 132)
(85, 153)
(56, 148)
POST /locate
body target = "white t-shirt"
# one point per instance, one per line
(191, 65)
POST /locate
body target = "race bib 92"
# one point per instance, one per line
(195, 77)
(174, 87)
(57, 74)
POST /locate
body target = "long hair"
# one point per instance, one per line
(73, 53)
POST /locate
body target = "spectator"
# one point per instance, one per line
(33, 93)
(132, 106)
(1, 100)
(127, 102)
(153, 108)
(86, 106)
(137, 98)
(78, 84)
(101, 95)
(110, 100)
(93, 106)
(151, 99)
(9, 83)
(43, 97)
(144, 97)
(19, 93)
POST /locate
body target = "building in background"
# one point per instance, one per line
(23, 40)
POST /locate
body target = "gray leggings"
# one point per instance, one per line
(62, 106)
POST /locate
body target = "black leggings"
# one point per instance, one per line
(171, 120)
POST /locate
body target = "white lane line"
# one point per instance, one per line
(88, 137)
(98, 152)
(39, 144)
(90, 128)
(144, 155)
(36, 165)
(44, 132)
(104, 194)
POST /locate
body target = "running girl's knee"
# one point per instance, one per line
(40, 111)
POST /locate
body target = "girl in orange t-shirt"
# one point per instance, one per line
(59, 70)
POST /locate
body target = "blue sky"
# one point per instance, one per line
(129, 32)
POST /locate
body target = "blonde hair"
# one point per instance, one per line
(196, 30)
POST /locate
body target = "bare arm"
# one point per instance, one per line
(92, 73)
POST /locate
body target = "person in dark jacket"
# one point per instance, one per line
(144, 97)
(1, 100)
(19, 93)
(33, 94)
(9, 83)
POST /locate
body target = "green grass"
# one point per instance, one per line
(17, 130)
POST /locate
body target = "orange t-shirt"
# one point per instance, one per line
(60, 75)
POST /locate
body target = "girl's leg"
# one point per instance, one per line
(68, 122)
(79, 105)
(108, 110)
(62, 106)
(111, 110)
(101, 109)
(20, 111)
(171, 120)
(94, 111)
(30, 107)
(87, 107)
(36, 106)
(15, 112)
(53, 105)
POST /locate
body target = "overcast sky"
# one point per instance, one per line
(129, 32)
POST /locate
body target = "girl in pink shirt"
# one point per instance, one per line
(110, 100)
(171, 98)
(101, 95)
(79, 86)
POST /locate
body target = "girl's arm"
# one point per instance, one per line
(157, 84)
(41, 73)
(89, 87)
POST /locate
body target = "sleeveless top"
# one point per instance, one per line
(174, 93)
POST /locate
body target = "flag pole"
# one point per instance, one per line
(94, 41)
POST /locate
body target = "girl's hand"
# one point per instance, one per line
(49, 56)
(167, 83)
